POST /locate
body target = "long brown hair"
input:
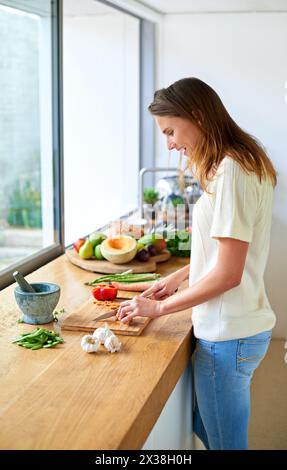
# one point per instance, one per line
(192, 99)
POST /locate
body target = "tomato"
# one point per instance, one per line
(105, 292)
(160, 245)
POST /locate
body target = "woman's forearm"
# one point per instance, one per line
(183, 273)
(211, 285)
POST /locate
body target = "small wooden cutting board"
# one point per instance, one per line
(85, 319)
(106, 267)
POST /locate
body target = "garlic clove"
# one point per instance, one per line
(89, 344)
(112, 343)
(102, 333)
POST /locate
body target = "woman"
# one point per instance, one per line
(232, 318)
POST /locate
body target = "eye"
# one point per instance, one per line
(169, 132)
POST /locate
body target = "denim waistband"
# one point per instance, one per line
(264, 336)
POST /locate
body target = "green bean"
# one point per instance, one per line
(17, 340)
(34, 334)
(26, 336)
(38, 339)
(43, 338)
(37, 346)
(126, 278)
(51, 345)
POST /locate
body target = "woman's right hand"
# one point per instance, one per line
(164, 288)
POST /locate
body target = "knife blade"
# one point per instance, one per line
(105, 315)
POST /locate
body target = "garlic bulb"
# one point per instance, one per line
(102, 333)
(112, 343)
(89, 344)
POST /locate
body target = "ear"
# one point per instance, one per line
(198, 116)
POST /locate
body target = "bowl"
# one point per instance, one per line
(38, 307)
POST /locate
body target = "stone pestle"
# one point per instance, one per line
(24, 285)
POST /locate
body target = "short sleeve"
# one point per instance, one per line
(235, 202)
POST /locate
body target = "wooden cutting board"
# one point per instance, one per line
(85, 319)
(106, 267)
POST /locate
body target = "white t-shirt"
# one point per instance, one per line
(239, 207)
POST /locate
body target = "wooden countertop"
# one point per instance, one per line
(63, 398)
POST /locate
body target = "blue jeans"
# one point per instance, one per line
(222, 375)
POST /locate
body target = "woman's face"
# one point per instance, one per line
(181, 134)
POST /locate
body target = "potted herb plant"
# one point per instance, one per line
(150, 198)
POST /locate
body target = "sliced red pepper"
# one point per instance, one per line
(105, 292)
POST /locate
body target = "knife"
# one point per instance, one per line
(105, 315)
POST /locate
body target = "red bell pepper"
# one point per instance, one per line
(105, 292)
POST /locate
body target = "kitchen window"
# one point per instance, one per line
(30, 200)
(101, 52)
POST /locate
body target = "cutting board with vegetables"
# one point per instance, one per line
(85, 318)
(106, 267)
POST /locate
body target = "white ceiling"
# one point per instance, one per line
(214, 6)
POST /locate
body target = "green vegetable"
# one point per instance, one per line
(177, 201)
(150, 238)
(39, 338)
(37, 346)
(51, 345)
(179, 243)
(150, 195)
(124, 277)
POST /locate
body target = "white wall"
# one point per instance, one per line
(243, 57)
(101, 124)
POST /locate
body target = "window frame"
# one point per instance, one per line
(43, 256)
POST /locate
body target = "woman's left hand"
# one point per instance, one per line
(138, 307)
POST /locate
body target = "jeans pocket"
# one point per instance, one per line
(250, 353)
(204, 356)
